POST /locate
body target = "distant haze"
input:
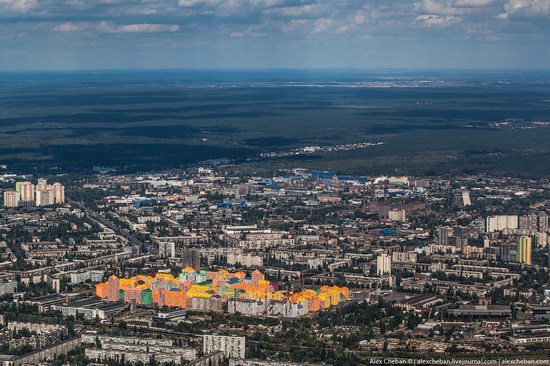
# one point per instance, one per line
(179, 34)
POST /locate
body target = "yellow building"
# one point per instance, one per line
(524, 250)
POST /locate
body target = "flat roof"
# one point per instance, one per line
(84, 302)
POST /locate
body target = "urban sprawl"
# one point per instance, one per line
(209, 267)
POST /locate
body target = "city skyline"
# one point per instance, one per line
(274, 182)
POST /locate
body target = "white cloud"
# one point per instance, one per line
(138, 28)
(266, 3)
(143, 11)
(295, 11)
(194, 3)
(294, 25)
(342, 29)
(359, 19)
(322, 25)
(21, 6)
(438, 8)
(525, 8)
(432, 20)
(68, 27)
(246, 34)
(473, 3)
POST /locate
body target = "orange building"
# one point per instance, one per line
(314, 304)
(257, 276)
(132, 294)
(191, 290)
(101, 290)
(175, 298)
(158, 295)
(113, 288)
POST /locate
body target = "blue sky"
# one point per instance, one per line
(130, 34)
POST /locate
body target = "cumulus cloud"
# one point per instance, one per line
(322, 25)
(525, 8)
(295, 11)
(195, 3)
(280, 20)
(294, 25)
(433, 20)
(250, 32)
(266, 3)
(138, 28)
(473, 3)
(21, 6)
(359, 18)
(437, 8)
(68, 27)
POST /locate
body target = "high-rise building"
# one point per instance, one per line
(383, 265)
(11, 199)
(397, 215)
(543, 221)
(231, 346)
(501, 222)
(42, 184)
(466, 198)
(59, 193)
(541, 239)
(191, 258)
(508, 252)
(27, 191)
(528, 222)
(167, 249)
(113, 288)
(461, 199)
(257, 276)
(444, 233)
(460, 243)
(40, 195)
(524, 250)
(45, 197)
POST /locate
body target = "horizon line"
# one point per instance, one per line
(259, 69)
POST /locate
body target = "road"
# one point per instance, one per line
(132, 239)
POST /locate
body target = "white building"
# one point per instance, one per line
(136, 350)
(232, 347)
(146, 219)
(45, 197)
(11, 199)
(383, 265)
(246, 306)
(59, 193)
(405, 257)
(501, 222)
(466, 198)
(83, 276)
(167, 249)
(246, 260)
(541, 239)
(397, 215)
(27, 191)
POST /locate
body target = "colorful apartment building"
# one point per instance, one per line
(208, 291)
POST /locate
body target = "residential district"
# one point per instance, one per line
(215, 266)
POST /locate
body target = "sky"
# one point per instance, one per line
(272, 34)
